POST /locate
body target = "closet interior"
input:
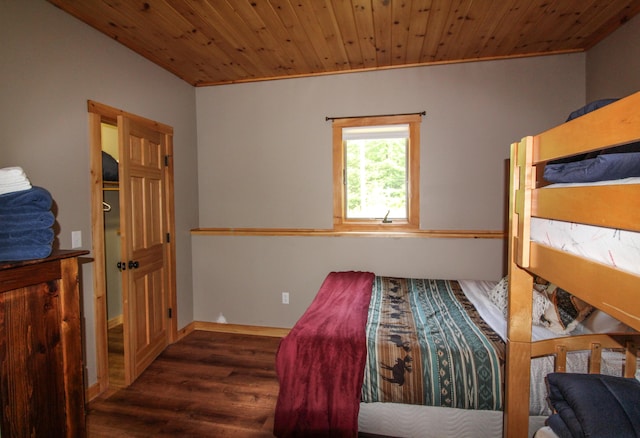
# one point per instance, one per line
(112, 247)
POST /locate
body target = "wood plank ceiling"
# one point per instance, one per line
(210, 42)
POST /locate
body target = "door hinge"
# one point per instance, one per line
(168, 237)
(170, 313)
(166, 160)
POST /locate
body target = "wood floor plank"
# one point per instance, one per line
(206, 385)
(209, 384)
(116, 356)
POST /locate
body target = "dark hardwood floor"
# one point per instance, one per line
(116, 356)
(206, 385)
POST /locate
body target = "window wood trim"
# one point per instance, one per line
(413, 187)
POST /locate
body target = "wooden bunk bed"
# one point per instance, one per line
(609, 288)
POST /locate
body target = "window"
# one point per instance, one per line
(376, 165)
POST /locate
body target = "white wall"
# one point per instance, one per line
(51, 65)
(613, 65)
(243, 277)
(264, 157)
(264, 149)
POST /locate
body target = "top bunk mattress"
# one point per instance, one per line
(612, 247)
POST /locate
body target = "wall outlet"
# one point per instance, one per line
(285, 297)
(76, 239)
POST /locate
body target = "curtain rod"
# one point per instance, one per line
(423, 113)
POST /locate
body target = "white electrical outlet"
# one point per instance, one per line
(76, 239)
(285, 297)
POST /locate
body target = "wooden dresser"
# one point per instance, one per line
(41, 361)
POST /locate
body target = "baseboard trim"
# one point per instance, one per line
(274, 332)
(113, 322)
(92, 392)
(185, 331)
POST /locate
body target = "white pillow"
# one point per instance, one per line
(540, 305)
(498, 295)
(601, 322)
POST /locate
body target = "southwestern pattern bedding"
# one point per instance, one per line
(427, 345)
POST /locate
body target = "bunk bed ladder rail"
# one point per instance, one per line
(517, 375)
(631, 359)
(523, 181)
(560, 347)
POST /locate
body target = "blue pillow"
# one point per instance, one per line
(591, 106)
(601, 165)
(604, 167)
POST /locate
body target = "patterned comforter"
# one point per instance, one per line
(427, 345)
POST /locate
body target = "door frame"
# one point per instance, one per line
(98, 114)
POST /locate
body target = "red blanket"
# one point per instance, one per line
(320, 363)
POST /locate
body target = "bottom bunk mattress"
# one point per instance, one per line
(413, 421)
(423, 344)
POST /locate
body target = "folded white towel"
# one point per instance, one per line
(12, 173)
(14, 187)
(13, 179)
(15, 170)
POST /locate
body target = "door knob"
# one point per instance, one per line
(122, 266)
(133, 265)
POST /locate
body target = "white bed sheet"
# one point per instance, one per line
(413, 421)
(617, 248)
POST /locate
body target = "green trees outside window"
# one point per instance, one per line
(376, 178)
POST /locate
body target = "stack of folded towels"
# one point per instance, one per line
(26, 219)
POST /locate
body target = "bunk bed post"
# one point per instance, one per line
(517, 378)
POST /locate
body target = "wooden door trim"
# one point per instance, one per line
(98, 114)
(122, 124)
(171, 248)
(99, 255)
(110, 115)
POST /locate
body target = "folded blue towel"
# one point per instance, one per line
(43, 236)
(20, 253)
(25, 201)
(37, 220)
